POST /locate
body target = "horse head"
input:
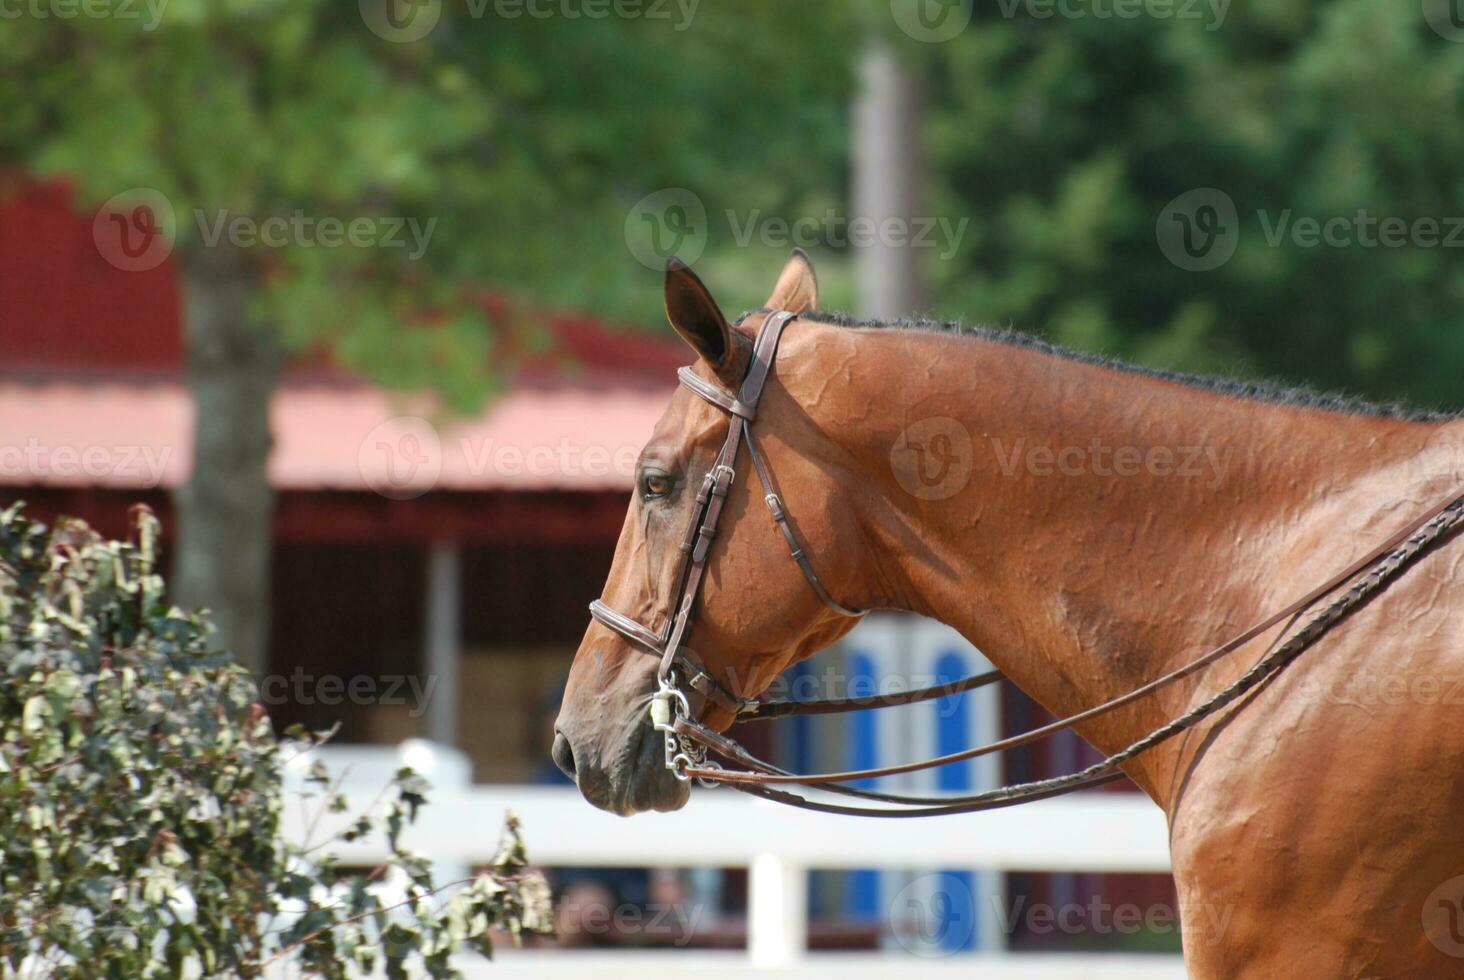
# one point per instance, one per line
(754, 613)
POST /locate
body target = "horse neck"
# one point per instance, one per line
(1089, 527)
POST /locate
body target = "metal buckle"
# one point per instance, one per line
(668, 704)
(719, 485)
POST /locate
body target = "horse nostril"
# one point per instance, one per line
(563, 754)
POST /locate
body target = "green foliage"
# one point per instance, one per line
(140, 791)
(523, 142)
(1064, 138)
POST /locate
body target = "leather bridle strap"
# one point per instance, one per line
(667, 643)
(1289, 612)
(1369, 576)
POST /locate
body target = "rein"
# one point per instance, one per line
(687, 741)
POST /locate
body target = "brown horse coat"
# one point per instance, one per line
(1089, 527)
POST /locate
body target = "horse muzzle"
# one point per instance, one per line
(629, 776)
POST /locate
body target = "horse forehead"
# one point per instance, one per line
(686, 421)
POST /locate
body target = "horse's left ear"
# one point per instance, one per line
(797, 288)
(695, 316)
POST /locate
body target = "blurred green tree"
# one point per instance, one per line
(1066, 137)
(497, 150)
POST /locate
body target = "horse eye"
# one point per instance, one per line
(655, 485)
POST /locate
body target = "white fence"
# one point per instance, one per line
(719, 828)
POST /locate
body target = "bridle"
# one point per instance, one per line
(676, 662)
(687, 740)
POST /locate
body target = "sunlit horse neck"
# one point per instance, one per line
(1088, 526)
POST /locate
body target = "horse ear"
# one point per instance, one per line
(797, 288)
(695, 316)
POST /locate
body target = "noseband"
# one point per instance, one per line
(687, 741)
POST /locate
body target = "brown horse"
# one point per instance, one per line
(1088, 526)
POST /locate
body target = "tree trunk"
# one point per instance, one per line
(225, 511)
(889, 184)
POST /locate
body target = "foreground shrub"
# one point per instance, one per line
(141, 797)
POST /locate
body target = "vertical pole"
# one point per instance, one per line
(777, 912)
(889, 185)
(443, 641)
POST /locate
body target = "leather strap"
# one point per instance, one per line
(1382, 565)
(706, 521)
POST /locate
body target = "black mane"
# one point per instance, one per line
(1274, 392)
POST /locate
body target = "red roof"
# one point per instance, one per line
(332, 437)
(91, 393)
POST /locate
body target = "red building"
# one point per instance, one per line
(403, 549)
